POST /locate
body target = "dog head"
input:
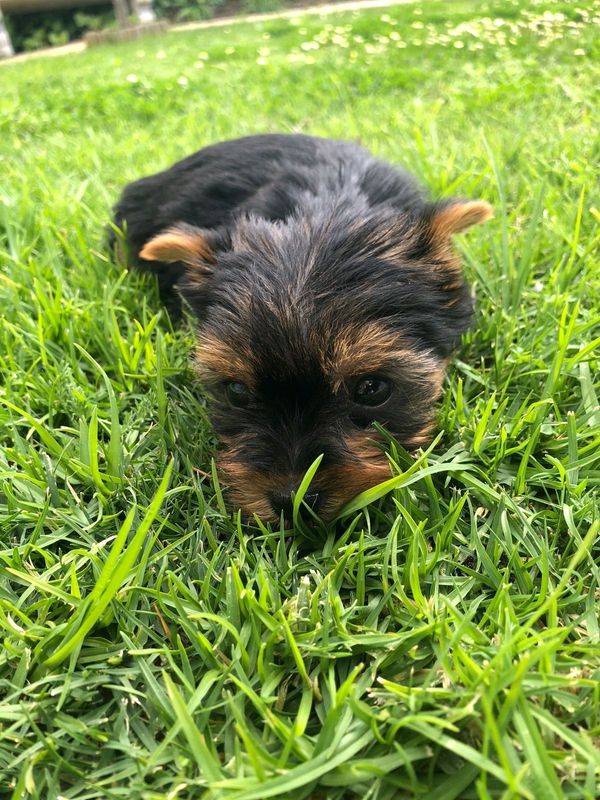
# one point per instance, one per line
(309, 331)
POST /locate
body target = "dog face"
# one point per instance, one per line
(310, 331)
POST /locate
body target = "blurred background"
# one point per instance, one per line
(33, 24)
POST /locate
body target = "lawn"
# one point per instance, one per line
(442, 641)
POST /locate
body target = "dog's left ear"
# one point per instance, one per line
(455, 216)
(184, 243)
(444, 292)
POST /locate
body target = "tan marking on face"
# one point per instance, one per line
(344, 484)
(368, 349)
(247, 488)
(367, 465)
(179, 243)
(216, 360)
(422, 437)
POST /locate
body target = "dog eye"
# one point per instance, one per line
(372, 391)
(237, 393)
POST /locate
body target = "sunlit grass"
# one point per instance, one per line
(441, 640)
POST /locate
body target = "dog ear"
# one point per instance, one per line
(192, 246)
(456, 216)
(444, 293)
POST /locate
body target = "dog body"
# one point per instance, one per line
(327, 296)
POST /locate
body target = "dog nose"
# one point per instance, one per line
(283, 501)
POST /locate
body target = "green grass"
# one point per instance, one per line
(443, 641)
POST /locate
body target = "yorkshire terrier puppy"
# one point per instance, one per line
(327, 297)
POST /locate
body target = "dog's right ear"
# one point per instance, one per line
(194, 247)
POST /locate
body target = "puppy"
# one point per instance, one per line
(327, 297)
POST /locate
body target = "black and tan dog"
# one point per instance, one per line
(327, 296)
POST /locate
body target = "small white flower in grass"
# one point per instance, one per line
(401, 45)
(203, 55)
(417, 25)
(538, 286)
(182, 80)
(264, 51)
(579, 52)
(132, 78)
(230, 51)
(199, 65)
(161, 55)
(262, 62)
(459, 45)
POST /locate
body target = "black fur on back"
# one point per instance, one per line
(269, 176)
